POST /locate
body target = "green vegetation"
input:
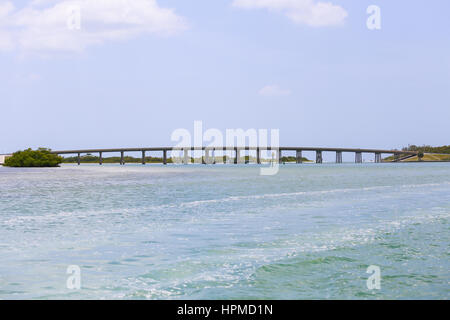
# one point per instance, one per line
(420, 155)
(429, 157)
(293, 159)
(33, 158)
(428, 149)
(424, 153)
(127, 159)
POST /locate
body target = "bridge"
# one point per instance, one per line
(208, 153)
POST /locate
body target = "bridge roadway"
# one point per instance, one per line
(210, 160)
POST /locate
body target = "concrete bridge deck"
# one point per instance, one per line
(385, 151)
(211, 159)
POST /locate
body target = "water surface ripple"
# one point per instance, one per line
(225, 232)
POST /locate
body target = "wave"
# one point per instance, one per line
(243, 264)
(292, 194)
(196, 203)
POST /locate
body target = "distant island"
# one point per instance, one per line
(41, 157)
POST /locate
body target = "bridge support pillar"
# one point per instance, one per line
(280, 156)
(338, 156)
(358, 157)
(377, 157)
(143, 157)
(213, 156)
(164, 156)
(122, 162)
(258, 155)
(185, 157)
(237, 154)
(100, 158)
(78, 159)
(207, 159)
(319, 156)
(298, 156)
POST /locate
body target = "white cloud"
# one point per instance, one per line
(309, 12)
(273, 90)
(44, 25)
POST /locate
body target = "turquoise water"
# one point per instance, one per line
(224, 231)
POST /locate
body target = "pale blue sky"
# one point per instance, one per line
(339, 85)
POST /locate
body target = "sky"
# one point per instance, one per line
(128, 73)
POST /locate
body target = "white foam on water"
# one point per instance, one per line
(242, 264)
(134, 210)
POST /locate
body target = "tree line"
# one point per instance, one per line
(427, 149)
(41, 157)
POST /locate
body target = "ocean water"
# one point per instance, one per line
(225, 232)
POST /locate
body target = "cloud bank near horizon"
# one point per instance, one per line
(42, 25)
